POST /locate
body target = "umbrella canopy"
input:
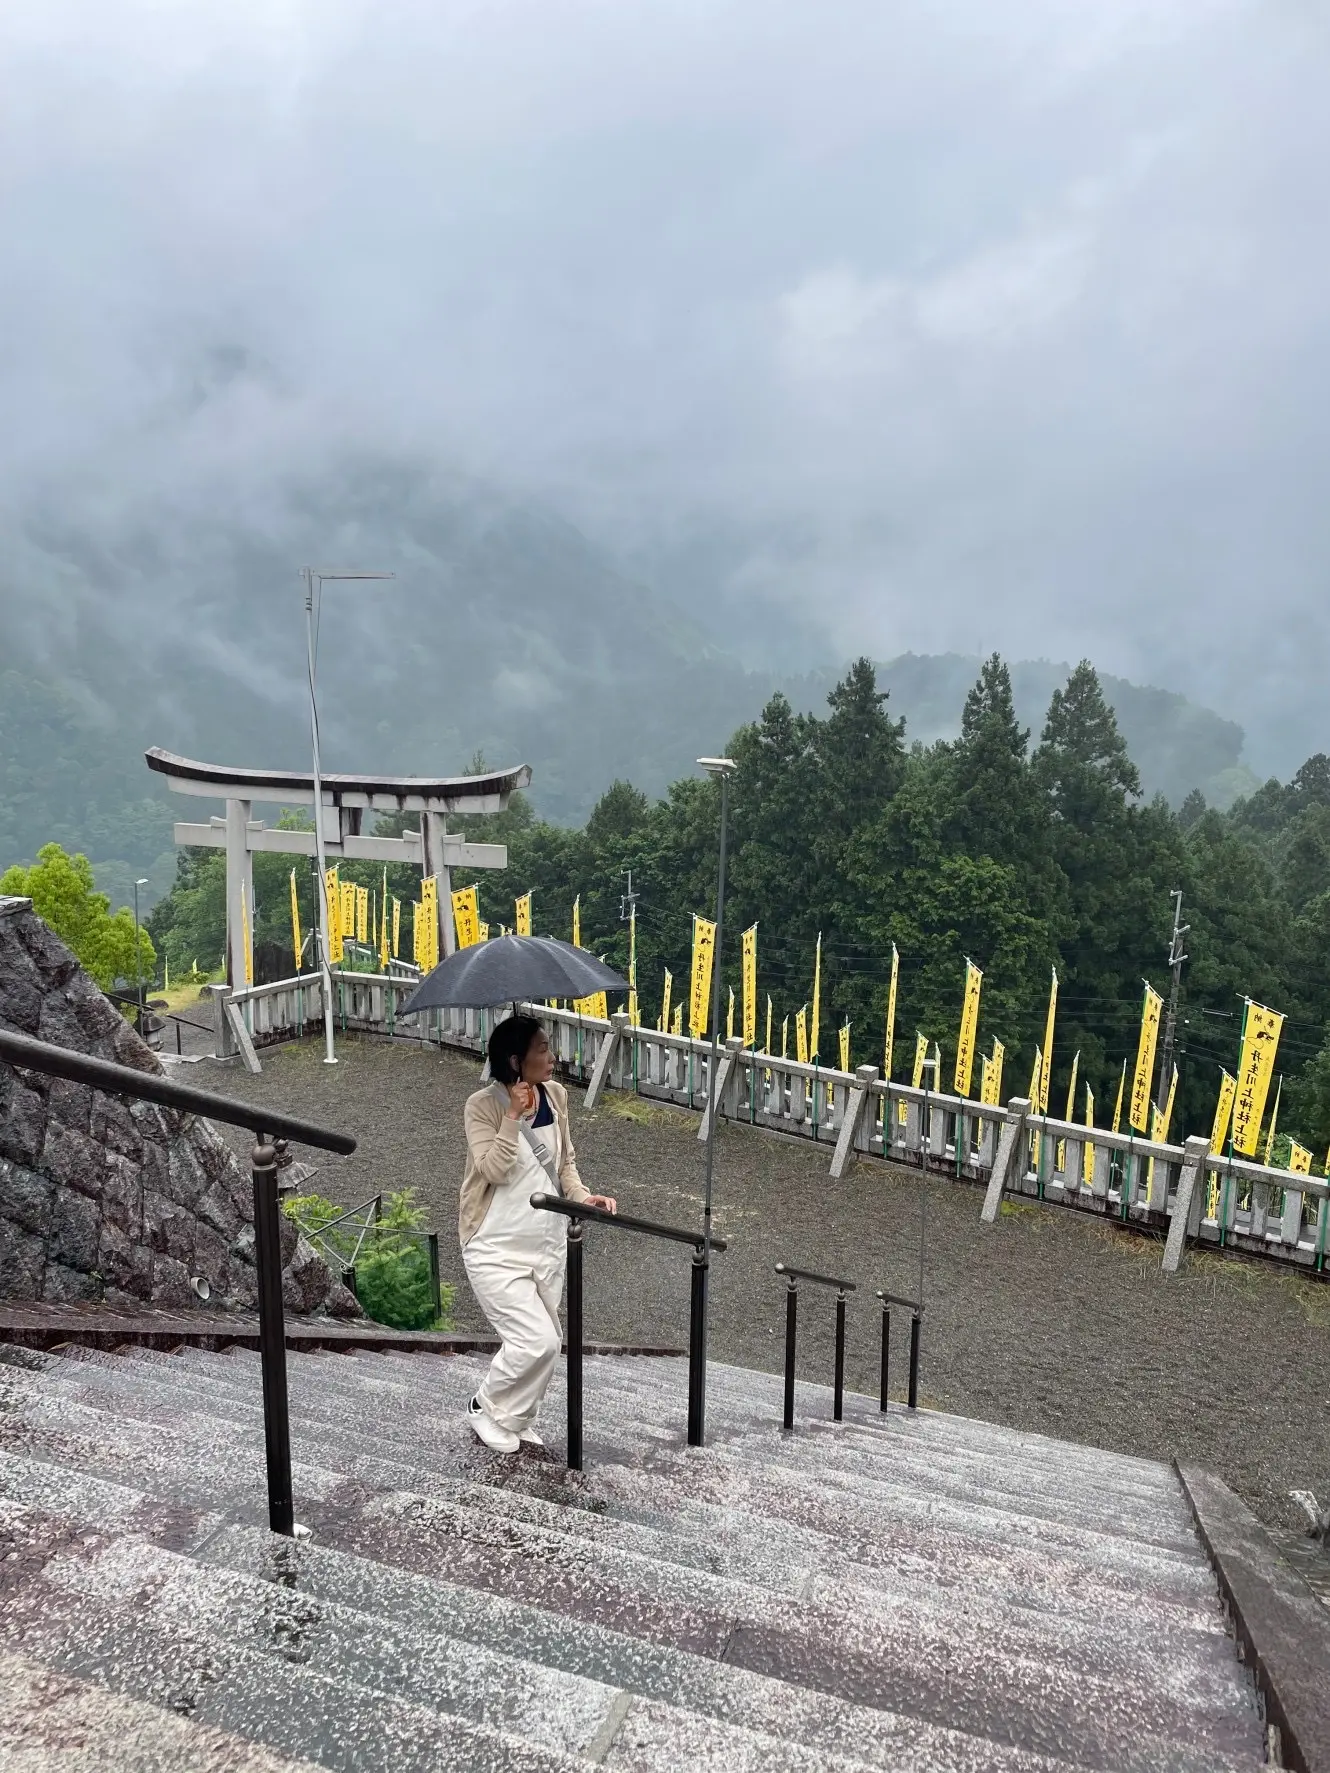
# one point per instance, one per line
(507, 969)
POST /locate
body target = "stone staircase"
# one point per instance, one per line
(915, 1593)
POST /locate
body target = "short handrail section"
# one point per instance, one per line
(792, 1277)
(269, 1128)
(578, 1214)
(916, 1311)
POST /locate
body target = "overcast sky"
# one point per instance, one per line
(957, 324)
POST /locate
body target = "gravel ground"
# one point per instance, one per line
(1049, 1320)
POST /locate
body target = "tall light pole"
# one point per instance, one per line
(314, 582)
(138, 957)
(721, 768)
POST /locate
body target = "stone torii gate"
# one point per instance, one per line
(346, 800)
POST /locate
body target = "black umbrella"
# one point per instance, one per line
(508, 969)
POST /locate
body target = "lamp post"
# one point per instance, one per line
(314, 582)
(720, 768)
(138, 957)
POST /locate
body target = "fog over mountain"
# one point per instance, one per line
(751, 338)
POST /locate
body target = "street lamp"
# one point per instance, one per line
(314, 582)
(138, 958)
(720, 768)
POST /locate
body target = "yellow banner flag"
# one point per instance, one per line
(597, 1005)
(676, 1027)
(1036, 1075)
(466, 916)
(1046, 1072)
(362, 914)
(750, 988)
(577, 921)
(1228, 1089)
(767, 1047)
(1061, 1163)
(1274, 1122)
(1117, 1106)
(1261, 1029)
(245, 942)
(729, 1017)
(1138, 1115)
(397, 925)
(665, 1000)
(920, 1058)
(296, 941)
(482, 932)
(1087, 1164)
(785, 1037)
(888, 1050)
(332, 898)
(429, 923)
(348, 911)
(801, 1035)
(815, 1032)
(632, 966)
(699, 990)
(965, 1045)
(524, 914)
(1166, 1118)
(990, 1078)
(845, 1047)
(1299, 1158)
(385, 950)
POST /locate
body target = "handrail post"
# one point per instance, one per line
(272, 1337)
(697, 1348)
(838, 1402)
(915, 1318)
(886, 1354)
(791, 1330)
(574, 1345)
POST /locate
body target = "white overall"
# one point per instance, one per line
(515, 1264)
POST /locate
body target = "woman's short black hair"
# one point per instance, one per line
(509, 1045)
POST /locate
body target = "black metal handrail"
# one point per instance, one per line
(916, 1311)
(271, 1129)
(579, 1213)
(793, 1277)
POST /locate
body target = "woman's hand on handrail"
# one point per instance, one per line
(606, 1202)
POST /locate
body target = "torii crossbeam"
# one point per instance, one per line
(346, 800)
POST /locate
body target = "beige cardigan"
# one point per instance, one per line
(492, 1145)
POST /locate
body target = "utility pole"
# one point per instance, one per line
(1175, 960)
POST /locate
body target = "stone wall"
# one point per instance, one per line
(106, 1199)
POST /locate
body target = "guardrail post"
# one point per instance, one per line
(886, 1355)
(838, 1402)
(915, 1318)
(697, 1349)
(272, 1337)
(791, 1331)
(574, 1345)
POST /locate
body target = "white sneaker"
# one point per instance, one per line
(502, 1440)
(529, 1438)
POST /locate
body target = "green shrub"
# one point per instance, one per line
(393, 1268)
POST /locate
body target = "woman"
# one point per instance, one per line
(517, 1145)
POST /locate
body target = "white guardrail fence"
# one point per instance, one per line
(1179, 1189)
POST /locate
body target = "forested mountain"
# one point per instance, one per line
(1019, 855)
(504, 630)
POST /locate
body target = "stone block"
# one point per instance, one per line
(22, 1263)
(211, 1255)
(69, 1286)
(23, 1113)
(71, 1104)
(288, 1237)
(128, 1048)
(167, 1228)
(60, 1022)
(73, 1160)
(170, 1283)
(213, 1152)
(242, 1287)
(75, 1225)
(122, 1195)
(112, 1123)
(55, 963)
(186, 1181)
(306, 1281)
(342, 1302)
(217, 1210)
(20, 1001)
(123, 1264)
(26, 1198)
